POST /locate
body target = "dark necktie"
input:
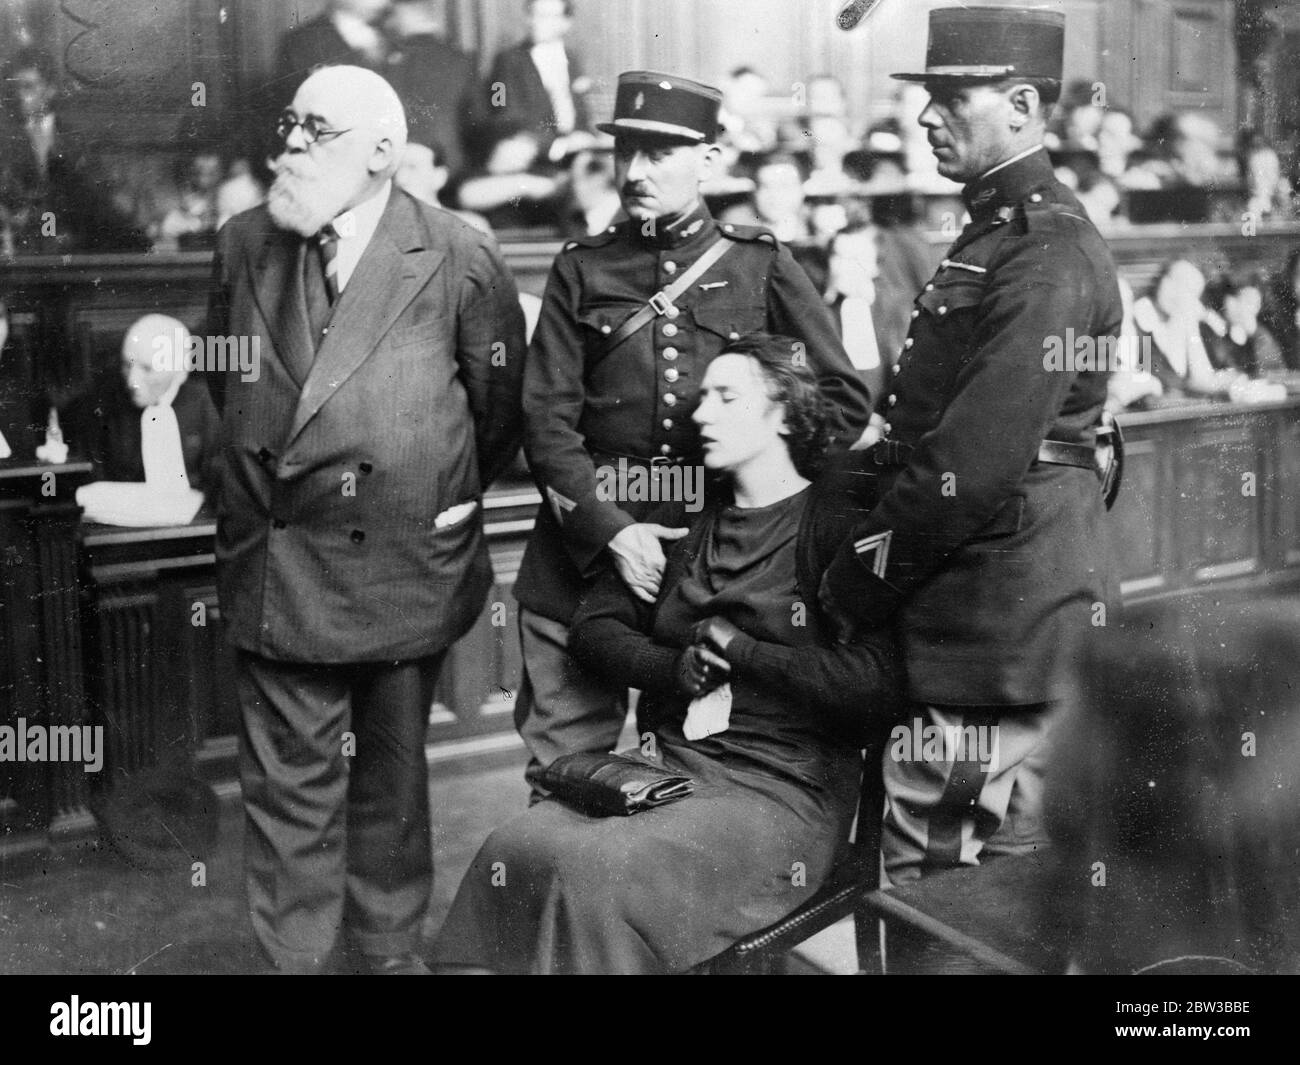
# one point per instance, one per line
(320, 280)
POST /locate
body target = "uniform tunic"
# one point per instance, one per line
(989, 561)
(586, 407)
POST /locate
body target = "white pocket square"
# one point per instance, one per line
(452, 515)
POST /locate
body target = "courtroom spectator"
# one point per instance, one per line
(852, 295)
(1116, 145)
(192, 219)
(424, 175)
(1282, 311)
(1132, 380)
(436, 81)
(1100, 197)
(21, 419)
(1183, 150)
(1269, 193)
(830, 141)
(539, 86)
(53, 193)
(778, 203)
(148, 420)
(594, 203)
(1172, 797)
(238, 193)
(517, 188)
(347, 32)
(1233, 335)
(745, 125)
(1172, 316)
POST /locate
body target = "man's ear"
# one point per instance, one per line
(710, 159)
(1025, 105)
(384, 157)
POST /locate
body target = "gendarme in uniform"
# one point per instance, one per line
(986, 541)
(597, 391)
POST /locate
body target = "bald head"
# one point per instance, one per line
(360, 101)
(153, 357)
(357, 139)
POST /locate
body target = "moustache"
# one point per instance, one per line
(630, 190)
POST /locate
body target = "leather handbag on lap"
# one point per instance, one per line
(607, 785)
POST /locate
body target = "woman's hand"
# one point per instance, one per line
(715, 633)
(700, 670)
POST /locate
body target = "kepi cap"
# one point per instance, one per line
(990, 43)
(665, 105)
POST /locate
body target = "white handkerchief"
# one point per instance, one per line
(452, 515)
(708, 714)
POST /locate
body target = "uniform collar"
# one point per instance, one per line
(1008, 183)
(681, 231)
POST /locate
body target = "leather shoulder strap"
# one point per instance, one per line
(663, 299)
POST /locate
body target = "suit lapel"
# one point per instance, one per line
(277, 287)
(394, 267)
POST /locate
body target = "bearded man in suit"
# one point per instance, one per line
(350, 543)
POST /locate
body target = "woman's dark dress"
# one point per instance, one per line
(557, 891)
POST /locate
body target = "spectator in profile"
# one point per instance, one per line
(1116, 142)
(149, 421)
(852, 270)
(778, 202)
(1268, 192)
(53, 194)
(436, 81)
(1173, 801)
(1282, 311)
(1233, 334)
(424, 175)
(538, 86)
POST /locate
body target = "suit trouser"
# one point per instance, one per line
(561, 707)
(336, 828)
(961, 782)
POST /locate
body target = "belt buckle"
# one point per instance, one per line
(660, 303)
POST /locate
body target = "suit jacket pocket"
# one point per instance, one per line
(428, 332)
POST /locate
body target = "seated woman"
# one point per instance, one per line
(736, 619)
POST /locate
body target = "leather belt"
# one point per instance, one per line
(599, 453)
(1056, 452)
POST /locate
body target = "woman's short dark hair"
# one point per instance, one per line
(783, 362)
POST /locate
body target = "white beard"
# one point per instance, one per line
(300, 202)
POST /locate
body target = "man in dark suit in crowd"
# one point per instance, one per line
(436, 81)
(20, 418)
(347, 32)
(122, 424)
(985, 537)
(614, 373)
(350, 544)
(52, 196)
(538, 85)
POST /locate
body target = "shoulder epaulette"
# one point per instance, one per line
(1038, 210)
(596, 240)
(750, 234)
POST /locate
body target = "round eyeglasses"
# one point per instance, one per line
(312, 128)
